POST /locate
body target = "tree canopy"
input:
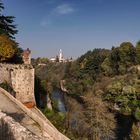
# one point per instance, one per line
(6, 23)
(9, 50)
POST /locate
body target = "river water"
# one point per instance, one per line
(57, 95)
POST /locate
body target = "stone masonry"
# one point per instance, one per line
(26, 56)
(21, 78)
(11, 130)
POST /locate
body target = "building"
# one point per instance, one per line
(60, 58)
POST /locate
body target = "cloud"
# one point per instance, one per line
(64, 9)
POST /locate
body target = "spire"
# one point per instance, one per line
(60, 56)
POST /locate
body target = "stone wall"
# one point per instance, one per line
(11, 130)
(21, 78)
(48, 131)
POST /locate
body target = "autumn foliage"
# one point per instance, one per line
(8, 48)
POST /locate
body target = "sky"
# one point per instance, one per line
(75, 26)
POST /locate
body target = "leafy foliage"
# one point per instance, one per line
(56, 118)
(8, 48)
(103, 83)
(138, 52)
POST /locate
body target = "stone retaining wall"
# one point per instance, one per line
(11, 130)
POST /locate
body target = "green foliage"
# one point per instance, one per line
(6, 24)
(1, 6)
(56, 118)
(138, 52)
(9, 51)
(137, 113)
(112, 80)
(127, 53)
(43, 60)
(135, 133)
(106, 67)
(124, 94)
(83, 72)
(122, 57)
(114, 60)
(52, 73)
(39, 91)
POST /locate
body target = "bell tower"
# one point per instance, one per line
(60, 56)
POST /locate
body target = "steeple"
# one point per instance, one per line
(60, 56)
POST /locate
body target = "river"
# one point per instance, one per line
(57, 95)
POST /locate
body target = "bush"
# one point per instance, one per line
(137, 113)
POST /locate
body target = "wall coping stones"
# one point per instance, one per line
(18, 131)
(48, 131)
(16, 66)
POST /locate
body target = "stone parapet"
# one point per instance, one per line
(49, 132)
(9, 130)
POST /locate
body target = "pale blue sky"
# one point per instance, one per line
(75, 26)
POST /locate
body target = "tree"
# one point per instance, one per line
(127, 56)
(6, 24)
(114, 59)
(138, 52)
(101, 121)
(106, 67)
(1, 6)
(122, 57)
(8, 48)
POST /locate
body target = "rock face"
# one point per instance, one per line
(21, 78)
(62, 86)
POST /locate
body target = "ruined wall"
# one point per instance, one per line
(11, 130)
(21, 78)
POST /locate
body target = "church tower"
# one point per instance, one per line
(60, 56)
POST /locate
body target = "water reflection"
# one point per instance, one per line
(57, 95)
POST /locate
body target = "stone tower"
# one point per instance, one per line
(60, 56)
(26, 56)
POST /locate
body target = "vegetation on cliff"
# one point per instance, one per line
(103, 93)
(113, 77)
